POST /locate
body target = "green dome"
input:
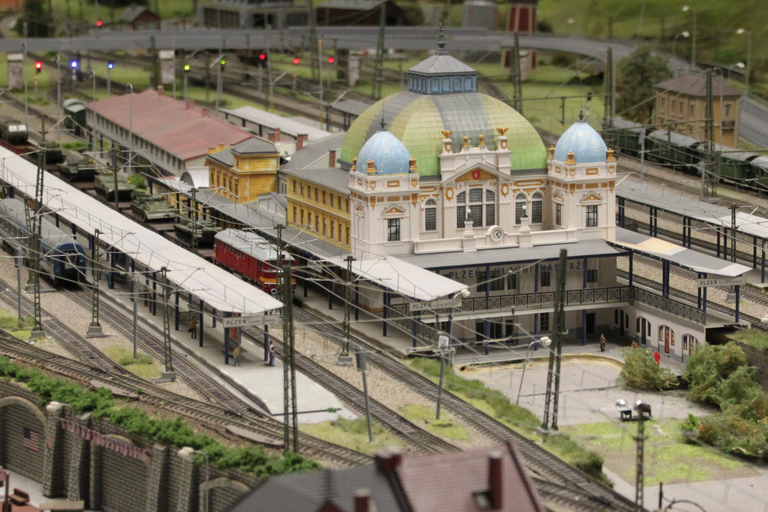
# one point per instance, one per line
(418, 120)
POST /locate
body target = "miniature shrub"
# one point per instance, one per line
(101, 403)
(640, 371)
(708, 366)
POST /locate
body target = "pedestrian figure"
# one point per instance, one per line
(236, 353)
(657, 357)
(272, 354)
(602, 343)
(634, 344)
(193, 327)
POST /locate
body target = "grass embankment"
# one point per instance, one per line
(496, 404)
(352, 434)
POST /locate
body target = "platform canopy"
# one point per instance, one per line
(402, 278)
(680, 256)
(186, 271)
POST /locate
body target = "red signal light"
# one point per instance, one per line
(38, 65)
(296, 60)
(331, 60)
(99, 23)
(263, 56)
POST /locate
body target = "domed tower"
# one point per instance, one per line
(582, 175)
(384, 187)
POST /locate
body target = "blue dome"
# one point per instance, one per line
(586, 144)
(389, 155)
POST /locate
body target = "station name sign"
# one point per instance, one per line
(721, 281)
(245, 321)
(434, 304)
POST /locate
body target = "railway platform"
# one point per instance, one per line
(254, 380)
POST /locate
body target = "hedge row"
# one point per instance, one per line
(100, 403)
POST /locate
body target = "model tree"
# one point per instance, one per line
(637, 74)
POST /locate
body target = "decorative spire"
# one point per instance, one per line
(440, 40)
(382, 122)
(581, 116)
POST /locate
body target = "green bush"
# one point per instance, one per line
(413, 14)
(708, 366)
(100, 403)
(640, 371)
(137, 180)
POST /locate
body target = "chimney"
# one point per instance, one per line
(388, 459)
(160, 90)
(494, 480)
(300, 140)
(271, 136)
(206, 112)
(277, 135)
(362, 500)
(190, 104)
(332, 158)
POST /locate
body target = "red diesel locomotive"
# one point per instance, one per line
(250, 256)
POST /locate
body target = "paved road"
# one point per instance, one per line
(754, 122)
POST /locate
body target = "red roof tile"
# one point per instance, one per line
(449, 481)
(168, 124)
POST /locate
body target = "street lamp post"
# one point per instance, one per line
(687, 8)
(463, 294)
(130, 130)
(749, 57)
(361, 367)
(544, 342)
(643, 411)
(685, 34)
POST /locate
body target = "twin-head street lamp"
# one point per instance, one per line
(749, 56)
(684, 34)
(544, 342)
(687, 8)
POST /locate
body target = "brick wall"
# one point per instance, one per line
(79, 470)
(18, 458)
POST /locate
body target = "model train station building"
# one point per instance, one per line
(459, 183)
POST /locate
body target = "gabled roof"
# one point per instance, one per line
(332, 178)
(252, 146)
(695, 84)
(182, 131)
(353, 5)
(132, 12)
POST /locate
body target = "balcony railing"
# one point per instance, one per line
(673, 307)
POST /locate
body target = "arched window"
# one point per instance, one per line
(430, 215)
(481, 207)
(536, 208)
(520, 201)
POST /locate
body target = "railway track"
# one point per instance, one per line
(541, 462)
(355, 399)
(209, 413)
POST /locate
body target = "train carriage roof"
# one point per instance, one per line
(674, 137)
(53, 236)
(251, 244)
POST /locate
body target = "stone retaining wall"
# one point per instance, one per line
(106, 477)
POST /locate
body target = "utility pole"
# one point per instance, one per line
(290, 413)
(607, 101)
(153, 51)
(169, 375)
(709, 183)
(443, 342)
(34, 225)
(114, 171)
(518, 83)
(193, 220)
(313, 42)
(378, 71)
(641, 409)
(553, 377)
(362, 365)
(94, 330)
(345, 359)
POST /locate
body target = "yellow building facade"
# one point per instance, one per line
(244, 171)
(318, 200)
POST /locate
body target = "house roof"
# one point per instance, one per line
(353, 5)
(310, 156)
(332, 178)
(182, 131)
(252, 146)
(695, 84)
(132, 12)
(430, 483)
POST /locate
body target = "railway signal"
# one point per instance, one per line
(331, 60)
(296, 61)
(110, 65)
(73, 64)
(38, 66)
(99, 23)
(223, 63)
(262, 57)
